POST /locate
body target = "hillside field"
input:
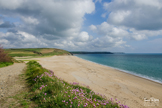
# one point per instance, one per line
(36, 52)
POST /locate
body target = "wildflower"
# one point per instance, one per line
(71, 102)
(97, 104)
(70, 105)
(40, 88)
(43, 86)
(63, 101)
(44, 98)
(46, 85)
(45, 94)
(74, 98)
(78, 105)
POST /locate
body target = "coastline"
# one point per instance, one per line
(127, 72)
(126, 88)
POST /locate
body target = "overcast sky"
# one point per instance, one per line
(132, 26)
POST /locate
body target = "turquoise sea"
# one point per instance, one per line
(148, 66)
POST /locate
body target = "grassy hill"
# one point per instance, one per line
(36, 52)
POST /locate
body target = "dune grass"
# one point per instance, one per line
(49, 91)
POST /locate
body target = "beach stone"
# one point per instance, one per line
(1, 95)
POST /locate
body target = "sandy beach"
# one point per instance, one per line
(126, 88)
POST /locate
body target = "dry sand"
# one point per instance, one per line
(128, 89)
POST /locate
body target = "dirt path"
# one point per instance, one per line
(10, 82)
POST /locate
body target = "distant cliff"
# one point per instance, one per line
(80, 52)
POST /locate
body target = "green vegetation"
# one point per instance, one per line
(45, 90)
(35, 52)
(4, 64)
(5, 60)
(49, 91)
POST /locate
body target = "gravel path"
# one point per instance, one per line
(9, 76)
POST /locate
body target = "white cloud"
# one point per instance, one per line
(98, 1)
(13, 4)
(83, 36)
(48, 23)
(139, 37)
(103, 15)
(27, 37)
(138, 14)
(110, 30)
(20, 39)
(3, 41)
(30, 20)
(119, 16)
(92, 27)
(154, 3)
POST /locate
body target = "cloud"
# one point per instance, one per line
(92, 27)
(6, 24)
(137, 14)
(83, 36)
(30, 20)
(51, 21)
(20, 39)
(107, 29)
(98, 1)
(110, 36)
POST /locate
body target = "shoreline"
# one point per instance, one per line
(127, 72)
(129, 89)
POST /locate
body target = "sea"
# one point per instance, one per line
(147, 66)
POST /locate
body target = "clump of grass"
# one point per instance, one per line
(49, 91)
(5, 59)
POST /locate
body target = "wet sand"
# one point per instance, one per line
(126, 88)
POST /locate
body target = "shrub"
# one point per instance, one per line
(4, 56)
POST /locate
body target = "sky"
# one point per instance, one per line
(131, 26)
